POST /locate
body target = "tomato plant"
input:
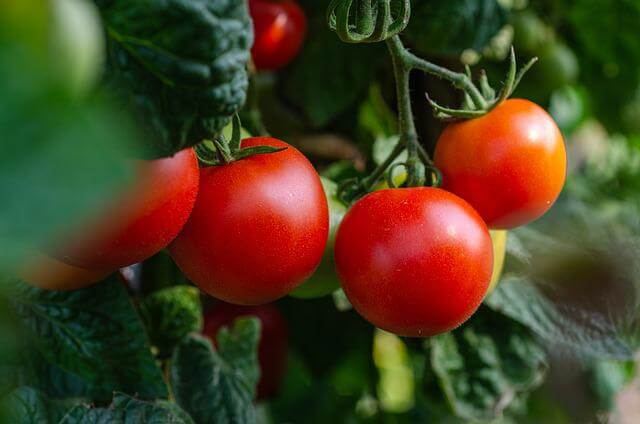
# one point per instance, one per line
(273, 345)
(141, 221)
(279, 30)
(510, 164)
(259, 226)
(415, 262)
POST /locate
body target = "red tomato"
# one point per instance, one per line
(48, 273)
(415, 262)
(279, 28)
(143, 220)
(273, 345)
(258, 229)
(510, 164)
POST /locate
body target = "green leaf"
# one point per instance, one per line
(170, 314)
(125, 409)
(26, 405)
(94, 333)
(574, 281)
(186, 80)
(449, 28)
(218, 386)
(59, 157)
(608, 378)
(330, 76)
(486, 364)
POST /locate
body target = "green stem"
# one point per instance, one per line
(369, 182)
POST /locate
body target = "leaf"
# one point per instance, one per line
(27, 405)
(573, 281)
(94, 333)
(180, 64)
(170, 314)
(486, 365)
(330, 76)
(449, 28)
(217, 387)
(125, 409)
(59, 157)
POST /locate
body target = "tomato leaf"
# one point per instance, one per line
(94, 333)
(170, 314)
(181, 65)
(125, 409)
(575, 283)
(218, 386)
(449, 28)
(486, 364)
(27, 405)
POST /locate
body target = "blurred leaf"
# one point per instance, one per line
(330, 76)
(27, 405)
(170, 314)
(575, 283)
(94, 333)
(125, 409)
(608, 378)
(218, 386)
(396, 385)
(449, 28)
(187, 80)
(486, 365)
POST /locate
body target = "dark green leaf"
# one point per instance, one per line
(26, 405)
(94, 333)
(218, 386)
(125, 409)
(486, 365)
(170, 314)
(330, 76)
(449, 28)
(181, 64)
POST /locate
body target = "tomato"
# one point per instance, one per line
(325, 281)
(48, 273)
(273, 345)
(509, 164)
(258, 229)
(414, 261)
(279, 28)
(140, 222)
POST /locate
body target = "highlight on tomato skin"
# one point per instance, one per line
(259, 227)
(279, 31)
(140, 221)
(273, 345)
(510, 164)
(48, 273)
(416, 262)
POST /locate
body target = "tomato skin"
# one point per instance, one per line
(414, 261)
(272, 348)
(140, 222)
(280, 28)
(48, 273)
(510, 164)
(258, 229)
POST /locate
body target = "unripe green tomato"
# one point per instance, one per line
(325, 281)
(530, 33)
(499, 241)
(77, 43)
(558, 66)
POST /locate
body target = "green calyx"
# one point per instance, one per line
(368, 21)
(221, 151)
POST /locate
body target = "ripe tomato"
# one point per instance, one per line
(142, 221)
(258, 229)
(273, 345)
(48, 273)
(415, 262)
(510, 164)
(279, 28)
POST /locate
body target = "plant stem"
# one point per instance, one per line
(373, 178)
